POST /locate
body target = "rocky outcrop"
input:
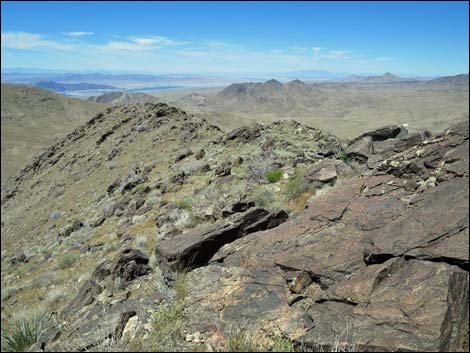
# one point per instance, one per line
(386, 262)
(195, 248)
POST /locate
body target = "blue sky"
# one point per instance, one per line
(409, 38)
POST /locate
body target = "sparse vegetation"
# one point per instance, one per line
(263, 197)
(56, 295)
(67, 260)
(343, 156)
(23, 330)
(245, 340)
(274, 175)
(296, 186)
(8, 292)
(183, 219)
(184, 203)
(168, 320)
(259, 166)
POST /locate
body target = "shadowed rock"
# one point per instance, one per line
(194, 248)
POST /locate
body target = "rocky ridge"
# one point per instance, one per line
(374, 240)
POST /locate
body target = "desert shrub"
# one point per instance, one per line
(245, 340)
(168, 320)
(274, 175)
(184, 203)
(343, 156)
(56, 295)
(67, 260)
(8, 292)
(258, 167)
(296, 186)
(263, 197)
(183, 219)
(241, 341)
(23, 330)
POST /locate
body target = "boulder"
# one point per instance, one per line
(381, 134)
(361, 149)
(323, 172)
(130, 264)
(195, 248)
(182, 155)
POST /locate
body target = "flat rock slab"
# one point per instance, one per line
(195, 248)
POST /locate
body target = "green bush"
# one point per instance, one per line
(295, 187)
(184, 203)
(274, 175)
(67, 260)
(23, 331)
(343, 156)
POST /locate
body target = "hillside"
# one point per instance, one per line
(116, 98)
(32, 119)
(460, 81)
(149, 229)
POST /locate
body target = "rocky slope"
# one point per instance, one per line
(284, 231)
(32, 119)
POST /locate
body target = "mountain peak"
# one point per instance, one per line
(273, 82)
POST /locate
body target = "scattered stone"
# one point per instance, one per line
(200, 154)
(183, 155)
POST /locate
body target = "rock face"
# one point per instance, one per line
(385, 261)
(195, 248)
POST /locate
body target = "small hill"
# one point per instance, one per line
(67, 87)
(32, 119)
(460, 81)
(271, 95)
(194, 100)
(117, 98)
(381, 79)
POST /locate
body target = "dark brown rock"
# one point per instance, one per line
(130, 264)
(387, 255)
(195, 248)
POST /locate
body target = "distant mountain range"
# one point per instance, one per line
(116, 98)
(385, 78)
(458, 80)
(67, 87)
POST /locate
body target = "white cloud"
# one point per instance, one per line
(31, 41)
(78, 34)
(126, 46)
(317, 49)
(157, 40)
